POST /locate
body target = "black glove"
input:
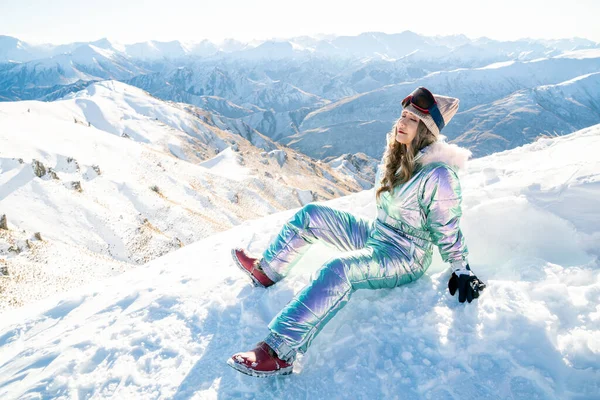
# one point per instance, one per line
(467, 283)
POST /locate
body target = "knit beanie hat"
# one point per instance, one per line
(435, 113)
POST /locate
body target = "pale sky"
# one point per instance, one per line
(130, 21)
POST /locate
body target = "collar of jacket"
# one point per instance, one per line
(442, 151)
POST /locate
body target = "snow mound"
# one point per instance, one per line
(166, 329)
(279, 155)
(305, 196)
(226, 164)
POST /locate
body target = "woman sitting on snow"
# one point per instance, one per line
(418, 206)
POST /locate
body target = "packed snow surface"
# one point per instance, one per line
(165, 330)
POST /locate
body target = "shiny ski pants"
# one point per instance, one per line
(374, 256)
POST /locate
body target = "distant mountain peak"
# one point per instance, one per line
(103, 43)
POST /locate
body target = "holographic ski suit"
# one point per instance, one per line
(394, 249)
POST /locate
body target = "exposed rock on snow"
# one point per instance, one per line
(53, 174)
(279, 155)
(76, 185)
(38, 168)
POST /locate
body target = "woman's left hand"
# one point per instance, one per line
(467, 284)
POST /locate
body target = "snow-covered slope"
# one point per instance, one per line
(191, 83)
(526, 114)
(113, 173)
(165, 330)
(362, 167)
(15, 50)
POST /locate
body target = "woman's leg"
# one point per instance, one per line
(303, 318)
(313, 222)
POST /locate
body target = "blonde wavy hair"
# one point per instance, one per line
(398, 158)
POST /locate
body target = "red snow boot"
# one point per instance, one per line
(251, 267)
(260, 362)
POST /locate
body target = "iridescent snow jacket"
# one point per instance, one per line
(427, 209)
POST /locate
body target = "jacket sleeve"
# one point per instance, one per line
(441, 202)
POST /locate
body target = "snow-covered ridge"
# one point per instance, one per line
(165, 330)
(111, 177)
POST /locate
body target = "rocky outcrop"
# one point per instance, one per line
(76, 185)
(52, 174)
(38, 168)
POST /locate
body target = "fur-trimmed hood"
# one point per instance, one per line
(442, 151)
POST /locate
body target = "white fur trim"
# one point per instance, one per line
(448, 153)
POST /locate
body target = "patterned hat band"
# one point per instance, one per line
(434, 110)
(426, 118)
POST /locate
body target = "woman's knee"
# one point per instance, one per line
(312, 209)
(308, 213)
(334, 271)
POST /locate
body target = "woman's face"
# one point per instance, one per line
(406, 127)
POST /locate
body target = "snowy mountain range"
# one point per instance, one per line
(368, 44)
(165, 330)
(111, 177)
(502, 106)
(338, 95)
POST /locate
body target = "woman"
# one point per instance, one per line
(418, 205)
